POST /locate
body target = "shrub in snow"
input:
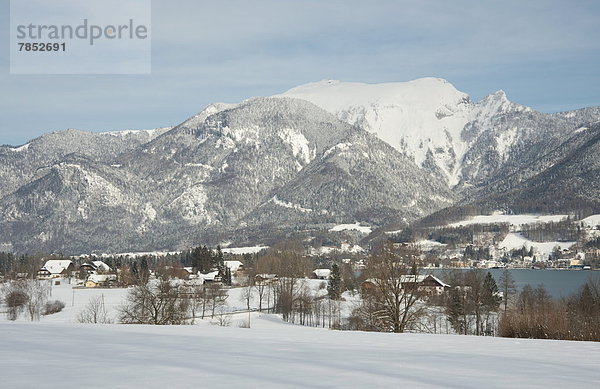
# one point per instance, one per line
(244, 324)
(53, 307)
(15, 301)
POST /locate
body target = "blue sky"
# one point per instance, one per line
(544, 54)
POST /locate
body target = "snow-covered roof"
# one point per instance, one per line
(266, 276)
(410, 278)
(233, 265)
(101, 265)
(442, 283)
(99, 278)
(208, 276)
(57, 266)
(322, 273)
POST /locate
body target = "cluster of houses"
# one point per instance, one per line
(429, 284)
(98, 274)
(441, 256)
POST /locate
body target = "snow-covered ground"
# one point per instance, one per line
(429, 244)
(244, 250)
(592, 221)
(348, 227)
(514, 241)
(344, 248)
(57, 351)
(513, 220)
(272, 354)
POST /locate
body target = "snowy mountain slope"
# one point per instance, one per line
(77, 203)
(268, 166)
(362, 178)
(420, 117)
(463, 143)
(236, 156)
(213, 173)
(566, 179)
(511, 141)
(559, 176)
(22, 164)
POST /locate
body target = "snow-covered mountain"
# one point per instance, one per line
(252, 166)
(423, 118)
(461, 142)
(320, 154)
(20, 164)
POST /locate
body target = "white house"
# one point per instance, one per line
(213, 276)
(54, 268)
(96, 280)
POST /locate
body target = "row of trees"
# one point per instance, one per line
(453, 236)
(394, 301)
(164, 301)
(12, 265)
(472, 304)
(536, 314)
(562, 231)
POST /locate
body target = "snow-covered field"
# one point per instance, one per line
(272, 354)
(514, 241)
(244, 250)
(58, 352)
(513, 220)
(592, 221)
(356, 226)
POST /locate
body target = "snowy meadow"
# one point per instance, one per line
(58, 351)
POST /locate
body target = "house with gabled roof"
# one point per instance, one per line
(100, 280)
(95, 266)
(427, 283)
(54, 268)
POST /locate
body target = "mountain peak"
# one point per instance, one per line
(333, 94)
(496, 96)
(415, 117)
(499, 102)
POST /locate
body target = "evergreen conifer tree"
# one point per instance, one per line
(491, 299)
(456, 311)
(334, 288)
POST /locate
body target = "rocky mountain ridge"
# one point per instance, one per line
(266, 167)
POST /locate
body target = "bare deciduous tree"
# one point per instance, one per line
(28, 295)
(196, 296)
(216, 296)
(223, 319)
(391, 303)
(246, 296)
(94, 312)
(37, 295)
(156, 302)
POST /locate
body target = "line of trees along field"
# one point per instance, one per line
(385, 295)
